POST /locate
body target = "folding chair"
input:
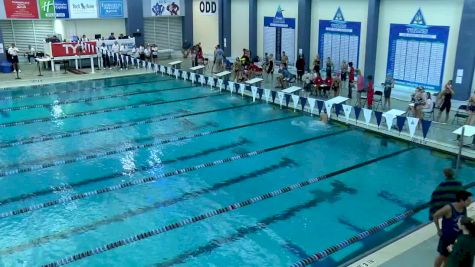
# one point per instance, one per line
(461, 113)
(429, 113)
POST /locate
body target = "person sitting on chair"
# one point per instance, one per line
(428, 106)
(318, 83)
(283, 75)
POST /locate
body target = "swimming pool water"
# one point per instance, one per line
(74, 138)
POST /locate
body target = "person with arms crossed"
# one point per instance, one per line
(449, 232)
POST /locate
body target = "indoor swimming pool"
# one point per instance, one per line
(85, 164)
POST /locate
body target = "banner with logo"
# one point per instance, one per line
(111, 8)
(166, 8)
(50, 9)
(21, 9)
(339, 39)
(83, 9)
(279, 36)
(73, 49)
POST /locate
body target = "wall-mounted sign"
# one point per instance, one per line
(416, 54)
(83, 9)
(50, 9)
(21, 9)
(279, 36)
(208, 8)
(111, 8)
(166, 8)
(339, 39)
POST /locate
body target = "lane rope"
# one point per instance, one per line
(56, 136)
(158, 177)
(97, 155)
(88, 99)
(195, 219)
(101, 111)
(75, 90)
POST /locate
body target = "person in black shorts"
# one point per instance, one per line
(471, 109)
(388, 87)
(446, 100)
(450, 215)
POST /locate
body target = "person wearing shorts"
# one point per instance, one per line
(450, 215)
(446, 98)
(471, 109)
(388, 86)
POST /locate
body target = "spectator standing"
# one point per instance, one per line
(105, 56)
(316, 64)
(13, 52)
(329, 67)
(270, 67)
(300, 65)
(446, 99)
(351, 80)
(284, 59)
(388, 87)
(445, 192)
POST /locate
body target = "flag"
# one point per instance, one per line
(274, 94)
(260, 91)
(267, 94)
(242, 88)
(400, 121)
(357, 112)
(379, 116)
(303, 101)
(281, 98)
(338, 109)
(412, 122)
(367, 115)
(425, 127)
(311, 102)
(347, 111)
(295, 100)
(287, 100)
(320, 106)
(254, 93)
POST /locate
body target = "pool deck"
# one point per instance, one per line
(416, 249)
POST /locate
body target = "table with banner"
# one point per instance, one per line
(71, 51)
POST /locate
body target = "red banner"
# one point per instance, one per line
(73, 49)
(21, 9)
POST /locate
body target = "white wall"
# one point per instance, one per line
(205, 29)
(89, 27)
(267, 8)
(353, 10)
(436, 12)
(239, 26)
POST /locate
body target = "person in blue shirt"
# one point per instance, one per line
(449, 232)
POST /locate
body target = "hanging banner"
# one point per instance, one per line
(279, 36)
(328, 108)
(166, 8)
(416, 54)
(111, 8)
(242, 88)
(21, 9)
(72, 49)
(254, 93)
(83, 9)
(339, 39)
(231, 87)
(389, 117)
(281, 98)
(311, 102)
(50, 9)
(347, 111)
(367, 115)
(295, 100)
(267, 94)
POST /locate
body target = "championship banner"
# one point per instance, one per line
(111, 8)
(166, 8)
(21, 9)
(279, 36)
(72, 49)
(83, 9)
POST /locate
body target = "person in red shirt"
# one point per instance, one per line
(318, 81)
(370, 93)
(351, 79)
(328, 84)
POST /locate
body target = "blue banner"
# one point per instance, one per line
(339, 40)
(61, 9)
(416, 54)
(111, 8)
(279, 36)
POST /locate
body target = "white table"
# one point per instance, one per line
(223, 75)
(292, 89)
(176, 64)
(197, 69)
(394, 113)
(39, 60)
(337, 100)
(255, 81)
(469, 132)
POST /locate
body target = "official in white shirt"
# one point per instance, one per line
(115, 52)
(13, 52)
(123, 54)
(105, 56)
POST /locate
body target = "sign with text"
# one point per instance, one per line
(50, 9)
(83, 9)
(21, 9)
(208, 8)
(166, 8)
(279, 36)
(73, 49)
(111, 8)
(416, 53)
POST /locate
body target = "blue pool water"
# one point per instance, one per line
(72, 138)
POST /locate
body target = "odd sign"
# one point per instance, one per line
(208, 8)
